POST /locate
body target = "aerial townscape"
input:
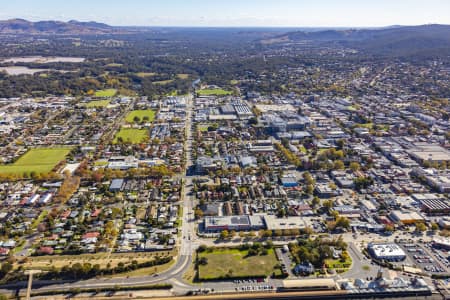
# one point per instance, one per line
(224, 163)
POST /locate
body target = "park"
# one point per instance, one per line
(140, 116)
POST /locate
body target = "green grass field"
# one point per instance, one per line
(39, 160)
(141, 114)
(106, 93)
(172, 93)
(338, 265)
(235, 263)
(202, 127)
(134, 136)
(98, 103)
(214, 92)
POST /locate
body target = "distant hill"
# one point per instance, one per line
(397, 40)
(20, 26)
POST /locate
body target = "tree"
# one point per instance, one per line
(338, 165)
(224, 234)
(268, 245)
(388, 228)
(308, 178)
(363, 182)
(309, 189)
(328, 204)
(354, 166)
(420, 227)
(308, 230)
(252, 252)
(344, 256)
(343, 222)
(267, 233)
(203, 261)
(202, 248)
(434, 226)
(315, 201)
(198, 213)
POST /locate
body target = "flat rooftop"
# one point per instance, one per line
(384, 250)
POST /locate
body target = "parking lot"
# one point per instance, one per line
(441, 256)
(425, 257)
(285, 261)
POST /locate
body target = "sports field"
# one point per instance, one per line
(106, 93)
(131, 135)
(38, 160)
(214, 92)
(150, 114)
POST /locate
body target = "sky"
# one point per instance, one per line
(234, 13)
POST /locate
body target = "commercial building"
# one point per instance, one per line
(116, 185)
(274, 223)
(429, 152)
(389, 252)
(238, 223)
(406, 217)
(441, 242)
(289, 181)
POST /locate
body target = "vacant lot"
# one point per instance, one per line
(106, 93)
(231, 263)
(98, 103)
(59, 261)
(215, 92)
(39, 160)
(131, 135)
(150, 114)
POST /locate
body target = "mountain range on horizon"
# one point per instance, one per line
(21, 26)
(394, 39)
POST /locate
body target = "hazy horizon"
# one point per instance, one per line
(234, 13)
